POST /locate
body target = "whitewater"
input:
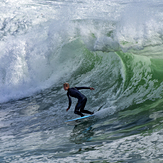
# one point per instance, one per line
(114, 46)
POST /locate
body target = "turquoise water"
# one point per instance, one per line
(114, 46)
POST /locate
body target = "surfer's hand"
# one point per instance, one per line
(67, 109)
(91, 88)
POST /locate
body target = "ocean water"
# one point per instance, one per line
(115, 46)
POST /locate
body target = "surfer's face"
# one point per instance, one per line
(66, 87)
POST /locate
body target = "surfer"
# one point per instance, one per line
(74, 92)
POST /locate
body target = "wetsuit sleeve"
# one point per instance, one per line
(82, 88)
(69, 98)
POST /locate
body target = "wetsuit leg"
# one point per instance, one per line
(77, 108)
(80, 106)
(83, 106)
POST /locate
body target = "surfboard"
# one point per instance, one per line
(78, 120)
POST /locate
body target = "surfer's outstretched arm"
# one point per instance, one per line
(70, 101)
(78, 88)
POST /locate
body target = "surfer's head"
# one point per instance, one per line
(66, 86)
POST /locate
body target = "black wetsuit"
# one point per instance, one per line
(79, 109)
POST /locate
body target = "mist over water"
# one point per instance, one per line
(113, 46)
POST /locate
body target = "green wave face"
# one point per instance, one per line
(128, 87)
(121, 79)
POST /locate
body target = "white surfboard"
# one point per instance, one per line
(78, 120)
